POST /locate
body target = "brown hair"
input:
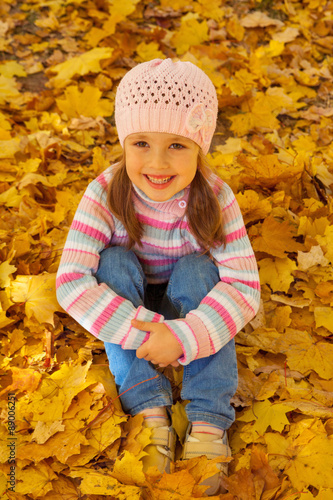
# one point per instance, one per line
(203, 210)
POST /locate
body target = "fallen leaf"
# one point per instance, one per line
(88, 62)
(38, 295)
(24, 379)
(266, 414)
(98, 483)
(277, 273)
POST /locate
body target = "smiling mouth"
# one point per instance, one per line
(159, 180)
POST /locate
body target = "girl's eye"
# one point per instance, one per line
(177, 146)
(141, 144)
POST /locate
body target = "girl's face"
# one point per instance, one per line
(160, 164)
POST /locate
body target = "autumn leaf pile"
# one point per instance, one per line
(272, 65)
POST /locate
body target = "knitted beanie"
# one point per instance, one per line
(166, 96)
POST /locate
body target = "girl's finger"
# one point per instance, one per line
(141, 325)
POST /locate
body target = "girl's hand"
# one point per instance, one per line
(161, 348)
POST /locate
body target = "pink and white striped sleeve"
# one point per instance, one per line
(95, 306)
(233, 302)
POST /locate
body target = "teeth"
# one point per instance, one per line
(159, 181)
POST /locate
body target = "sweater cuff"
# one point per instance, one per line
(134, 337)
(193, 337)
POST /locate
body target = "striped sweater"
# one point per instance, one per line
(226, 309)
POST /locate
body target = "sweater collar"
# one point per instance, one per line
(142, 195)
(177, 204)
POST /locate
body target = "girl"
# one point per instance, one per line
(157, 262)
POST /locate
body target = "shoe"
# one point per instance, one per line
(161, 450)
(193, 447)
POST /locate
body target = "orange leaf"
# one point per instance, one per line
(24, 379)
(277, 238)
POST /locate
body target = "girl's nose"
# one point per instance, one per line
(160, 159)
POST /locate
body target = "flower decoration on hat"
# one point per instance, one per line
(201, 119)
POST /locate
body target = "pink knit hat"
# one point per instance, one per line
(166, 96)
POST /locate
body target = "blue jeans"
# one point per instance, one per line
(208, 383)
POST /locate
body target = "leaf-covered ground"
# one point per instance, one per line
(272, 65)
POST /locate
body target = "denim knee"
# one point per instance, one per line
(121, 270)
(193, 277)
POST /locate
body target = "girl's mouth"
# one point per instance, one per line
(159, 181)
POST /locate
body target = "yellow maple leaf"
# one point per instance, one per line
(281, 318)
(38, 294)
(232, 145)
(191, 32)
(12, 68)
(266, 414)
(6, 271)
(137, 436)
(104, 435)
(63, 444)
(326, 242)
(260, 112)
(11, 197)
(128, 469)
(63, 488)
(70, 380)
(179, 420)
(277, 273)
(34, 480)
(314, 228)
(176, 5)
(175, 486)
(259, 118)
(53, 397)
(66, 443)
(276, 238)
(304, 143)
(4, 320)
(123, 7)
(304, 354)
(96, 35)
(39, 47)
(324, 317)
(235, 29)
(201, 467)
(210, 10)
(252, 207)
(31, 165)
(10, 147)
(16, 340)
(243, 123)
(242, 82)
(149, 51)
(305, 77)
(5, 127)
(312, 463)
(86, 103)
(50, 22)
(44, 430)
(89, 62)
(118, 11)
(8, 89)
(99, 483)
(273, 49)
(323, 172)
(24, 379)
